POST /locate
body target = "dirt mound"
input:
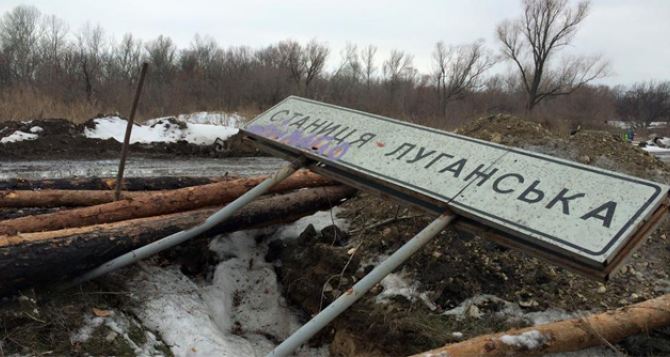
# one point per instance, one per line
(456, 267)
(62, 139)
(593, 147)
(506, 130)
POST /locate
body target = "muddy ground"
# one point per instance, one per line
(62, 139)
(319, 266)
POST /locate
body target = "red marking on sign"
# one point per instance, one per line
(380, 144)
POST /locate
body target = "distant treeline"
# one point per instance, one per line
(47, 70)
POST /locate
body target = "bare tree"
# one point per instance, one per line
(645, 102)
(530, 42)
(314, 59)
(53, 44)
(399, 76)
(290, 53)
(91, 46)
(350, 65)
(19, 35)
(399, 66)
(369, 68)
(205, 51)
(127, 58)
(458, 70)
(162, 54)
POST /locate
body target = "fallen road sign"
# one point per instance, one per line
(582, 217)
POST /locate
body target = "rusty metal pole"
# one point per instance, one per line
(129, 129)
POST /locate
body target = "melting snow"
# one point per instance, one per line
(512, 311)
(91, 323)
(656, 149)
(166, 130)
(319, 220)
(232, 120)
(36, 129)
(18, 136)
(120, 325)
(240, 313)
(530, 340)
(399, 285)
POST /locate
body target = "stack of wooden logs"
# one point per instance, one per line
(75, 225)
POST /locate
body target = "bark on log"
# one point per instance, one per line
(62, 198)
(163, 202)
(568, 335)
(78, 198)
(102, 183)
(33, 258)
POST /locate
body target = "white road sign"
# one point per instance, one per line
(562, 207)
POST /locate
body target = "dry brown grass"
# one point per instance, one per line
(28, 104)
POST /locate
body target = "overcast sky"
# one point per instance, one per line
(634, 35)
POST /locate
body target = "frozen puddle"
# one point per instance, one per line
(239, 313)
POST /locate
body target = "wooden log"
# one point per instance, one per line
(566, 336)
(34, 258)
(79, 198)
(162, 202)
(102, 183)
(62, 198)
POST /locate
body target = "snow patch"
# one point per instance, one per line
(18, 136)
(319, 220)
(399, 285)
(166, 130)
(240, 313)
(36, 129)
(511, 311)
(656, 149)
(119, 324)
(226, 119)
(658, 124)
(395, 285)
(244, 295)
(91, 323)
(170, 303)
(530, 340)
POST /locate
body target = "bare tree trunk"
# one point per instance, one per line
(30, 259)
(568, 335)
(154, 204)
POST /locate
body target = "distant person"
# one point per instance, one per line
(630, 135)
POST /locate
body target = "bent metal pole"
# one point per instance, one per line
(180, 237)
(304, 333)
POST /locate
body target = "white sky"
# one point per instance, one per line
(634, 35)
